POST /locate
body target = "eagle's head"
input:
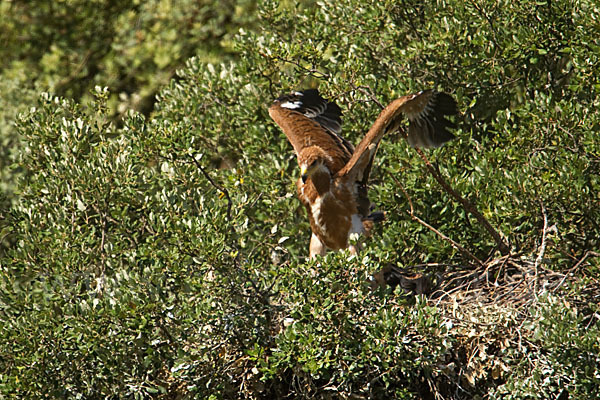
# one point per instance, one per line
(314, 164)
(307, 171)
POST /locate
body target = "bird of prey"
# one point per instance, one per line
(334, 174)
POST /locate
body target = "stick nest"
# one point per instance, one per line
(508, 282)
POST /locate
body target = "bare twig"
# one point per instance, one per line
(215, 184)
(457, 246)
(311, 71)
(540, 256)
(262, 295)
(490, 22)
(369, 92)
(467, 205)
(575, 267)
(454, 244)
(75, 71)
(585, 256)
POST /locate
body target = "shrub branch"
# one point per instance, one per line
(467, 205)
(214, 184)
(454, 244)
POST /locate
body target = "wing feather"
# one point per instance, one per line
(309, 120)
(428, 127)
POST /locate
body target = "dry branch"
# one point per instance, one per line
(214, 184)
(454, 244)
(468, 206)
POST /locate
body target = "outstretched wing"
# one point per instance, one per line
(428, 127)
(307, 119)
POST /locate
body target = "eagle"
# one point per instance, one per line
(334, 174)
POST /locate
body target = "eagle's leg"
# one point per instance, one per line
(316, 248)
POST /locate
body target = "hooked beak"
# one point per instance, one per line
(304, 174)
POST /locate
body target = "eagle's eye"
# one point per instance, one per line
(307, 171)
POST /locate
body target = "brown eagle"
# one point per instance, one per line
(334, 174)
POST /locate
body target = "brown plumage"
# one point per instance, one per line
(334, 175)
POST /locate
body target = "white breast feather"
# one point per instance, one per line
(315, 208)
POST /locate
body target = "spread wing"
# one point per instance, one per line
(307, 120)
(428, 127)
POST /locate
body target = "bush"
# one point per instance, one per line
(163, 256)
(61, 48)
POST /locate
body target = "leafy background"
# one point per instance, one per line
(151, 241)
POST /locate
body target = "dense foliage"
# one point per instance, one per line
(164, 255)
(132, 47)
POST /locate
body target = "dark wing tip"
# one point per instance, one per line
(445, 104)
(310, 103)
(431, 128)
